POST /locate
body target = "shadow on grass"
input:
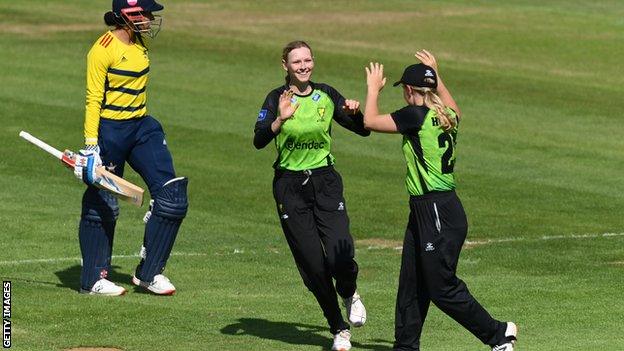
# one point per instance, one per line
(292, 333)
(70, 277)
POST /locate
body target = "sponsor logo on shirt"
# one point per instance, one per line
(305, 145)
(106, 40)
(316, 97)
(262, 115)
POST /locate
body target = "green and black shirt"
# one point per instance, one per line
(429, 151)
(304, 141)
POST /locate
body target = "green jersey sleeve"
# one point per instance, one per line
(409, 119)
(268, 113)
(354, 123)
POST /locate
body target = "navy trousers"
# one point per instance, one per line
(141, 143)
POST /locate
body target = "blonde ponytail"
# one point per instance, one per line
(433, 102)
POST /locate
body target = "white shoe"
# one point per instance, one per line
(104, 287)
(342, 341)
(356, 311)
(510, 338)
(159, 286)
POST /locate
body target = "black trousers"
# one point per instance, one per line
(314, 218)
(433, 240)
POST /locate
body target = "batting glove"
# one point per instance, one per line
(87, 161)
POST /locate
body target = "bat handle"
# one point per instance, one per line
(68, 159)
(57, 153)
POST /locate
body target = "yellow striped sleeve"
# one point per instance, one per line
(98, 62)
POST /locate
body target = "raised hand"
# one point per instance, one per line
(374, 77)
(427, 58)
(351, 106)
(286, 108)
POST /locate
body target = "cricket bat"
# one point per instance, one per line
(121, 188)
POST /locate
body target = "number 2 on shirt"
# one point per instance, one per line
(447, 140)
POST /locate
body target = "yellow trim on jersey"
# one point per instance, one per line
(117, 76)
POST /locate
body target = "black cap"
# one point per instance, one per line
(146, 5)
(419, 75)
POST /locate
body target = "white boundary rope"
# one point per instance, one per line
(478, 242)
(468, 242)
(77, 259)
(545, 237)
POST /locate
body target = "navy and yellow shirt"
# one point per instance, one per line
(304, 142)
(116, 81)
(429, 151)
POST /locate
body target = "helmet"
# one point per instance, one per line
(137, 15)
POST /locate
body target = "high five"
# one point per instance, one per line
(437, 225)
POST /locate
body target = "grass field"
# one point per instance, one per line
(539, 171)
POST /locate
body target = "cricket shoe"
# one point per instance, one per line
(510, 338)
(159, 286)
(104, 287)
(356, 312)
(342, 341)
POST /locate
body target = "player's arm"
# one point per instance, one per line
(347, 112)
(265, 130)
(406, 121)
(88, 159)
(373, 120)
(98, 62)
(428, 59)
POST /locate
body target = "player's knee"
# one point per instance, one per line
(171, 201)
(444, 291)
(99, 206)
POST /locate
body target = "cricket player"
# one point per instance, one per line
(118, 129)
(437, 224)
(308, 190)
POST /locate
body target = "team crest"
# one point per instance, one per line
(321, 113)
